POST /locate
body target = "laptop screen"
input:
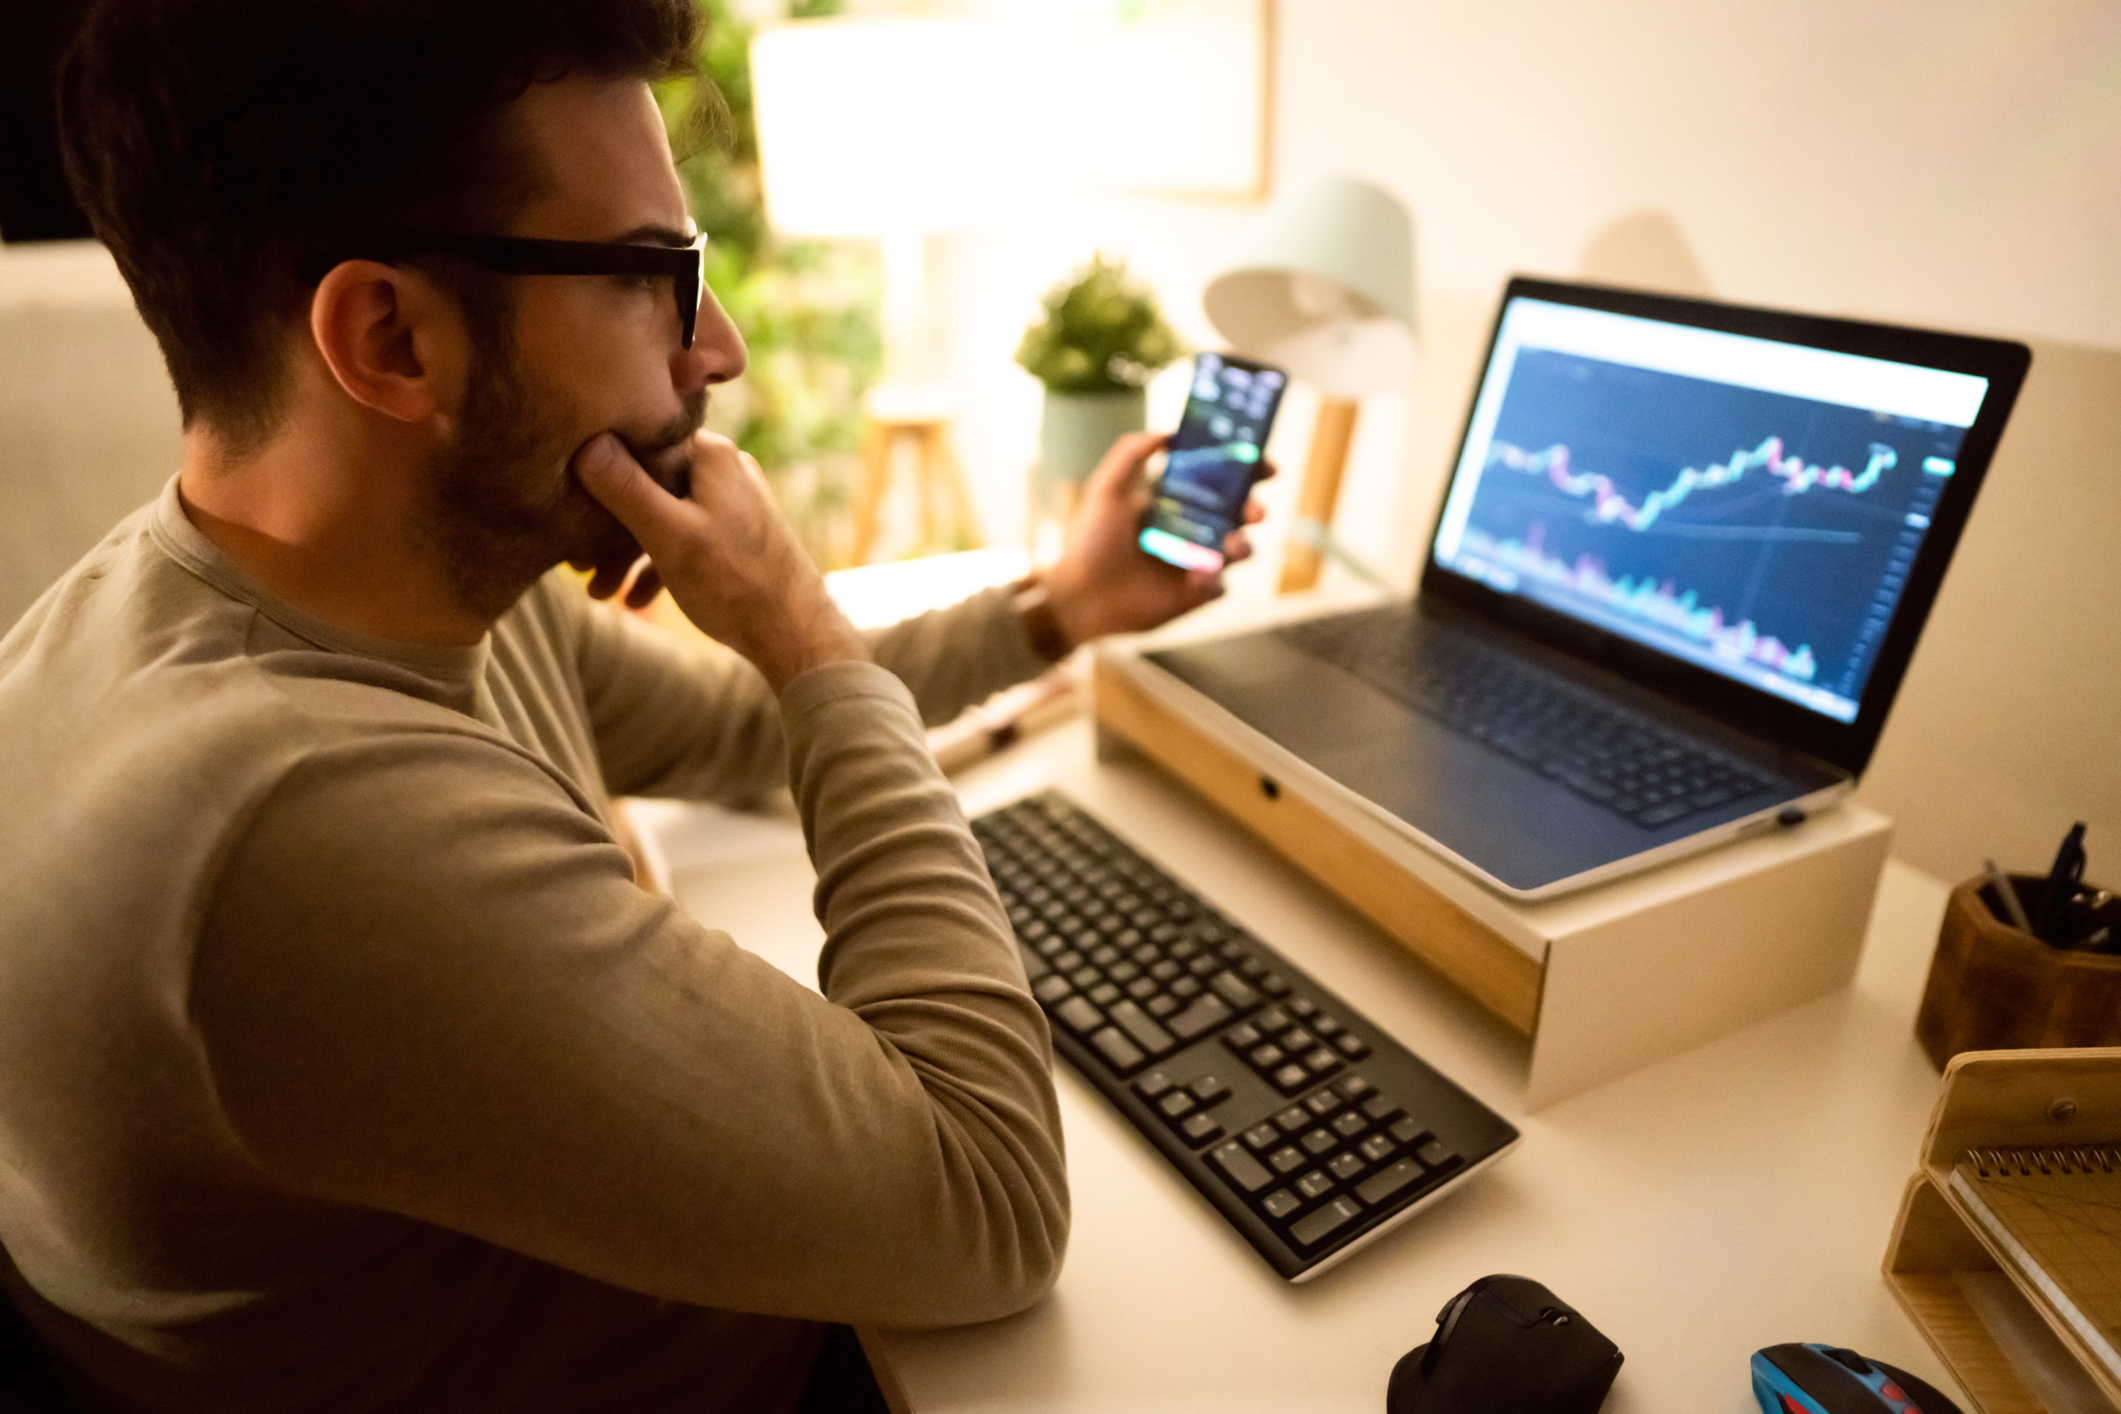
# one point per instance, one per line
(1751, 506)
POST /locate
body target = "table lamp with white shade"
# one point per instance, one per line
(1326, 291)
(891, 129)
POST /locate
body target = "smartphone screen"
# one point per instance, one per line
(1212, 460)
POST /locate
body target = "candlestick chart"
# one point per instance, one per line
(1764, 535)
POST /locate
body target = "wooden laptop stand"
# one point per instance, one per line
(1602, 981)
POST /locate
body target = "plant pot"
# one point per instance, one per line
(1077, 429)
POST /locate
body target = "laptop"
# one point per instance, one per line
(1681, 563)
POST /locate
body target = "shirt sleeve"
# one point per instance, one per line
(696, 722)
(426, 985)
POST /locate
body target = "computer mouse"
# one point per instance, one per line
(1827, 1379)
(1506, 1345)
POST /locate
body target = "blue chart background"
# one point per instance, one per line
(1803, 568)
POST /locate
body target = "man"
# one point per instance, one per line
(341, 1064)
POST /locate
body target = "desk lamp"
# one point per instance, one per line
(891, 128)
(1327, 292)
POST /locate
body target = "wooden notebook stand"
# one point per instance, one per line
(1944, 1259)
(1602, 981)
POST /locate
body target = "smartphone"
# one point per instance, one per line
(1212, 460)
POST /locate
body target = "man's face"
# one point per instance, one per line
(584, 354)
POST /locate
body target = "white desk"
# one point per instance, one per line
(1736, 1196)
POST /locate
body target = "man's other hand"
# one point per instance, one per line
(726, 553)
(1104, 582)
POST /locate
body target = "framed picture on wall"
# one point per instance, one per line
(1183, 97)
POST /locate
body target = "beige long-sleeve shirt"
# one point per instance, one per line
(343, 1067)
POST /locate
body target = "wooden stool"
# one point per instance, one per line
(939, 481)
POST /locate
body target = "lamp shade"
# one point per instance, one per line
(874, 126)
(1326, 290)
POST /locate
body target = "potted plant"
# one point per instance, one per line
(1101, 340)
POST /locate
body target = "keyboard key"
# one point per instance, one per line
(1355, 1087)
(1233, 989)
(1274, 1021)
(1119, 1052)
(1161, 1008)
(1262, 1137)
(1377, 1148)
(1052, 988)
(1292, 1119)
(1346, 1166)
(1280, 1203)
(1288, 1159)
(1315, 1184)
(1267, 1057)
(1210, 1089)
(1350, 1125)
(1326, 1221)
(1243, 1170)
(1199, 1019)
(1200, 1128)
(1291, 1078)
(1177, 1104)
(1153, 1084)
(1405, 1130)
(1380, 1107)
(1303, 1008)
(1104, 994)
(1319, 1141)
(1242, 1038)
(1435, 1155)
(1384, 1183)
(1323, 1103)
(1141, 1028)
(1079, 1016)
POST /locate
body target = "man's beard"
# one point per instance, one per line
(502, 509)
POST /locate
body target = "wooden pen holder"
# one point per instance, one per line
(1995, 988)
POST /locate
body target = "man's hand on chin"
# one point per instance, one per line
(1104, 582)
(724, 551)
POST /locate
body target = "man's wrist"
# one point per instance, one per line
(1042, 624)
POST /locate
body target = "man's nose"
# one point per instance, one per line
(717, 352)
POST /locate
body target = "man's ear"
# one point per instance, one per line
(392, 339)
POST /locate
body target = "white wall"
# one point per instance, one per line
(1955, 164)
(88, 421)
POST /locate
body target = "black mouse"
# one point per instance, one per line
(1506, 1345)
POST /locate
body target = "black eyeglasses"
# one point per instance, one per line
(518, 255)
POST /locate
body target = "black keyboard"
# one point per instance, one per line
(1308, 1128)
(1625, 761)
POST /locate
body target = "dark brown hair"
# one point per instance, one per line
(229, 152)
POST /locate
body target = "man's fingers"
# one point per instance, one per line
(1124, 463)
(646, 585)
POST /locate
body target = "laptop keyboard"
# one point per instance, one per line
(1628, 763)
(1308, 1128)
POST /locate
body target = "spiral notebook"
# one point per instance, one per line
(2055, 1213)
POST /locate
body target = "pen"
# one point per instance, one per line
(2000, 882)
(2063, 879)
